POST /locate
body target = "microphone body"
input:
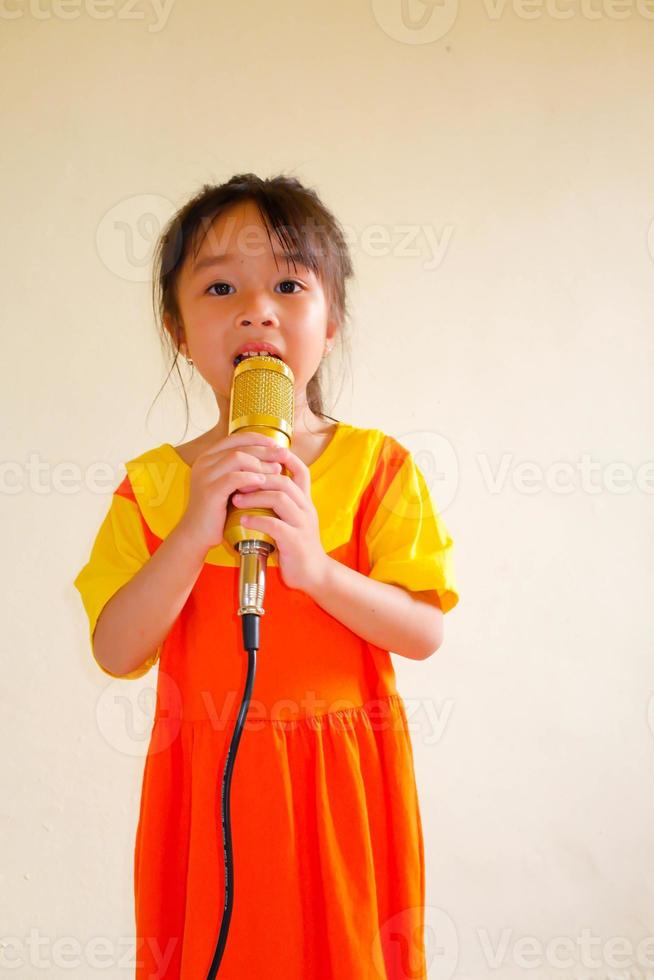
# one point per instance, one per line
(261, 400)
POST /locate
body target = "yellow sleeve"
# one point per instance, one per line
(407, 541)
(118, 552)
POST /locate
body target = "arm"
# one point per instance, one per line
(137, 619)
(390, 617)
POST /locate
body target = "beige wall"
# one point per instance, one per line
(506, 152)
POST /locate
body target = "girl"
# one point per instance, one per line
(326, 829)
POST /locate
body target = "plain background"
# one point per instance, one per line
(501, 329)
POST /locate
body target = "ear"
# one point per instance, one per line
(169, 324)
(332, 330)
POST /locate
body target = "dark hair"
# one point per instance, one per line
(303, 225)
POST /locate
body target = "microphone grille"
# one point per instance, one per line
(262, 394)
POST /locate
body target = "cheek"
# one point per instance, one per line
(206, 332)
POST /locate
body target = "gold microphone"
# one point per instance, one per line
(261, 400)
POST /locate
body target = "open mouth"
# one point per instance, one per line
(255, 353)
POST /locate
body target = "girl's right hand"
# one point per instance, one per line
(233, 463)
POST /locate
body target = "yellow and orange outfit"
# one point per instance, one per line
(326, 828)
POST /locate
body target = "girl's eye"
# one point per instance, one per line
(217, 284)
(293, 282)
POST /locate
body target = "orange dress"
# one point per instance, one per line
(326, 829)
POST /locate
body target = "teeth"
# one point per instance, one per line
(254, 353)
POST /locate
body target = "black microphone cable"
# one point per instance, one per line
(250, 626)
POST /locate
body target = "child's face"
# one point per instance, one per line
(249, 297)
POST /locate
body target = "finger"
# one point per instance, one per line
(253, 458)
(299, 471)
(242, 439)
(246, 467)
(277, 481)
(259, 459)
(275, 500)
(244, 481)
(271, 525)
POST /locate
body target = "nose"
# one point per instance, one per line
(265, 321)
(258, 310)
(259, 313)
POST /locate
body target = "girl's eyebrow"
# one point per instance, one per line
(211, 260)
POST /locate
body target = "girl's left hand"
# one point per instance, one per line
(302, 558)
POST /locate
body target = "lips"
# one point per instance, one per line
(255, 348)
